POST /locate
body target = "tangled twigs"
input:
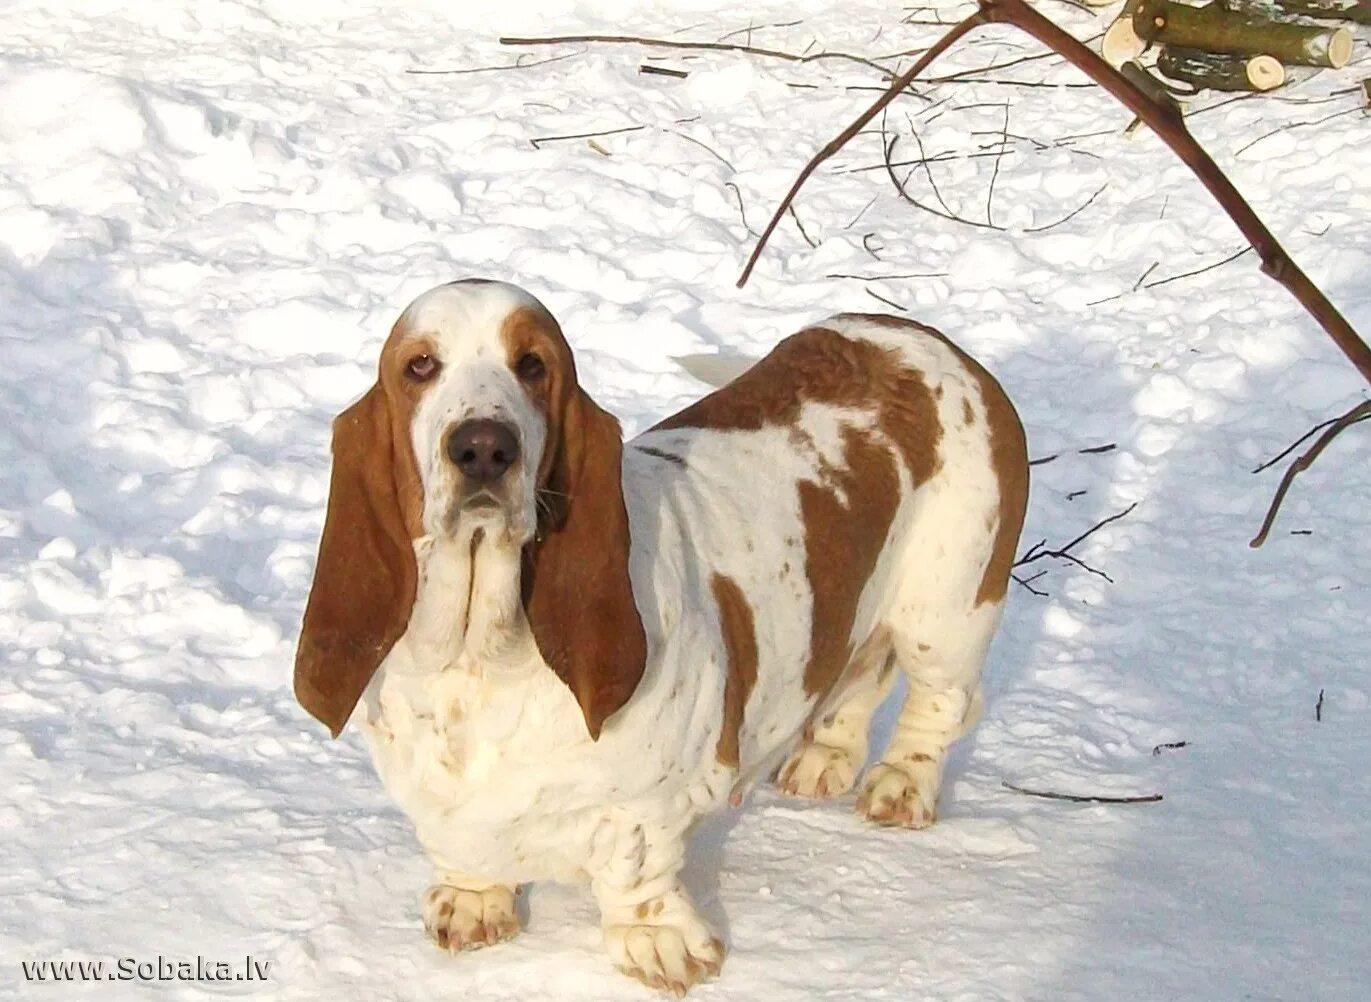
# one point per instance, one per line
(859, 123)
(1170, 128)
(1039, 550)
(1358, 413)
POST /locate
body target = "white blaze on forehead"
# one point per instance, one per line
(466, 317)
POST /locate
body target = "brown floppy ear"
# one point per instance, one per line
(365, 578)
(577, 593)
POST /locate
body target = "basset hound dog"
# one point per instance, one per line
(563, 649)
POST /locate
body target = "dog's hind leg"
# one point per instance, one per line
(835, 745)
(943, 668)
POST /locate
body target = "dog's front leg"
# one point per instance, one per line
(652, 930)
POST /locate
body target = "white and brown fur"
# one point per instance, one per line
(557, 682)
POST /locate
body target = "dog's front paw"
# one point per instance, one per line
(459, 919)
(899, 797)
(665, 948)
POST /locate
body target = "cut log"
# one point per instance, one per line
(1213, 28)
(1121, 43)
(1221, 71)
(1335, 10)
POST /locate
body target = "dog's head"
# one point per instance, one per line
(476, 430)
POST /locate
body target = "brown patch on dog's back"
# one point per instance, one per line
(819, 365)
(740, 643)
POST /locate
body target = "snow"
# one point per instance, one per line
(211, 212)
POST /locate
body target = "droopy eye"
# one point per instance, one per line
(422, 368)
(530, 367)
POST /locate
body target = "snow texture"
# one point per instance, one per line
(211, 212)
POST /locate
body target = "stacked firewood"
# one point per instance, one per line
(1242, 45)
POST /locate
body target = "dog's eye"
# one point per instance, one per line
(422, 368)
(530, 367)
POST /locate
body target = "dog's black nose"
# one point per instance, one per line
(483, 449)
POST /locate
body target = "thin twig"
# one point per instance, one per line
(885, 278)
(741, 211)
(663, 71)
(1072, 214)
(584, 135)
(853, 221)
(1028, 583)
(1149, 798)
(1168, 746)
(1295, 125)
(801, 227)
(707, 148)
(994, 174)
(1198, 271)
(518, 64)
(889, 302)
(666, 43)
(1318, 708)
(750, 28)
(1358, 413)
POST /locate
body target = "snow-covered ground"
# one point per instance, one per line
(211, 212)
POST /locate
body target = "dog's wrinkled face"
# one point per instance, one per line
(485, 371)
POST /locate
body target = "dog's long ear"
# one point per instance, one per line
(366, 575)
(577, 592)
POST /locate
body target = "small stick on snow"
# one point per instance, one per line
(887, 278)
(801, 226)
(1167, 746)
(1198, 271)
(1149, 798)
(1318, 708)
(662, 71)
(584, 135)
(741, 211)
(889, 302)
(1072, 214)
(1092, 450)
